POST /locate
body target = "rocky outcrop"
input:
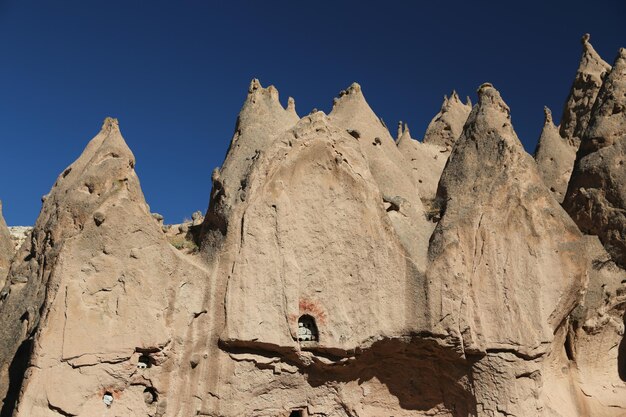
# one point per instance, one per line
(594, 345)
(596, 195)
(447, 125)
(389, 169)
(426, 161)
(6, 247)
(500, 297)
(336, 273)
(555, 158)
(99, 311)
(19, 235)
(583, 93)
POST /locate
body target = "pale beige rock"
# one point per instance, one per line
(19, 235)
(6, 248)
(595, 342)
(583, 93)
(447, 125)
(555, 158)
(499, 284)
(109, 289)
(426, 161)
(389, 168)
(596, 195)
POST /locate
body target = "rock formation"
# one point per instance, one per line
(446, 126)
(555, 158)
(596, 195)
(335, 273)
(583, 93)
(426, 161)
(556, 151)
(6, 248)
(98, 294)
(488, 291)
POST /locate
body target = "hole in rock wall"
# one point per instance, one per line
(145, 361)
(307, 329)
(297, 413)
(107, 399)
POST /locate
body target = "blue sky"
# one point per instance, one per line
(176, 73)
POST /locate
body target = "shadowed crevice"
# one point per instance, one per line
(16, 376)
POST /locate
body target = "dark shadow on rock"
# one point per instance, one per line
(421, 373)
(16, 376)
(621, 356)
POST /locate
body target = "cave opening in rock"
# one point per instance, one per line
(145, 361)
(296, 413)
(307, 329)
(150, 395)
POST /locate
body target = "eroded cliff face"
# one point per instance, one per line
(554, 158)
(596, 195)
(488, 291)
(557, 146)
(98, 303)
(335, 273)
(6, 248)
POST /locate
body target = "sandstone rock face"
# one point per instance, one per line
(426, 161)
(596, 195)
(6, 247)
(335, 274)
(489, 291)
(595, 344)
(583, 93)
(390, 170)
(447, 125)
(100, 300)
(555, 158)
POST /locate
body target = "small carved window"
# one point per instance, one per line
(307, 329)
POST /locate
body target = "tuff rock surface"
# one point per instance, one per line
(583, 93)
(447, 125)
(555, 158)
(596, 195)
(6, 247)
(326, 279)
(557, 146)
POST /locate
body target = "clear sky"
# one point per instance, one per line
(175, 74)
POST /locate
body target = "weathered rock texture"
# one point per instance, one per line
(6, 247)
(583, 93)
(557, 146)
(446, 126)
(335, 274)
(488, 290)
(97, 288)
(426, 161)
(596, 195)
(555, 158)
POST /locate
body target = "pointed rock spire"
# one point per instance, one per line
(291, 106)
(446, 126)
(261, 120)
(388, 166)
(596, 196)
(484, 285)
(583, 92)
(6, 248)
(426, 161)
(89, 289)
(555, 158)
